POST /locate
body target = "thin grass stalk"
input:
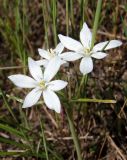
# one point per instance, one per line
(19, 40)
(67, 17)
(7, 105)
(17, 20)
(94, 100)
(83, 5)
(72, 12)
(82, 93)
(54, 13)
(96, 22)
(23, 26)
(73, 133)
(80, 85)
(23, 20)
(23, 118)
(45, 17)
(44, 139)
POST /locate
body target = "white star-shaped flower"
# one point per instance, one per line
(42, 84)
(51, 55)
(83, 49)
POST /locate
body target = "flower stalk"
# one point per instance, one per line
(96, 21)
(73, 133)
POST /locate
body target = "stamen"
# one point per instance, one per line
(51, 53)
(42, 85)
(87, 51)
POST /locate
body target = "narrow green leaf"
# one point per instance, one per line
(11, 130)
(13, 142)
(93, 100)
(7, 105)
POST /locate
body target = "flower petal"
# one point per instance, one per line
(43, 53)
(70, 43)
(52, 68)
(99, 55)
(32, 97)
(51, 100)
(57, 85)
(63, 62)
(86, 36)
(107, 45)
(35, 69)
(70, 56)
(23, 81)
(59, 48)
(42, 62)
(86, 65)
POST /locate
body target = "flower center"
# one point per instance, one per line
(42, 84)
(86, 51)
(51, 53)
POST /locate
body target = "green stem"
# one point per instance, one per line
(83, 80)
(72, 12)
(45, 17)
(93, 100)
(83, 6)
(44, 138)
(73, 133)
(67, 18)
(96, 21)
(55, 21)
(7, 105)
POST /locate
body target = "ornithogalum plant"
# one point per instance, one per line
(83, 49)
(44, 70)
(42, 84)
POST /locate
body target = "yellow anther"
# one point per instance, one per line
(42, 84)
(51, 53)
(87, 51)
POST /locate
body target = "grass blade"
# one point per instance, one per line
(94, 100)
(7, 105)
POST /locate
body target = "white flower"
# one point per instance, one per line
(51, 54)
(83, 49)
(41, 84)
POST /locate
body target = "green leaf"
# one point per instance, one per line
(13, 142)
(11, 130)
(93, 100)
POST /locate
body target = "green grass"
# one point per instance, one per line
(19, 134)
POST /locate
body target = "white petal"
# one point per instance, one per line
(70, 56)
(99, 55)
(59, 48)
(32, 98)
(51, 100)
(63, 62)
(35, 69)
(86, 65)
(43, 53)
(52, 68)
(23, 81)
(57, 85)
(42, 62)
(70, 43)
(86, 36)
(107, 45)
